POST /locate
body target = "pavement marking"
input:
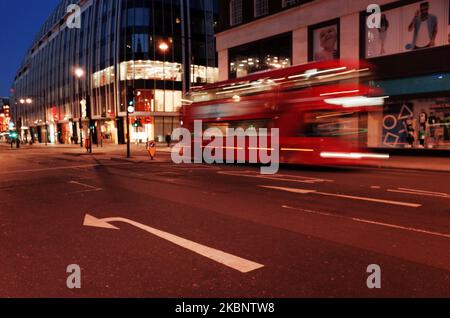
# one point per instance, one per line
(85, 185)
(420, 192)
(394, 226)
(277, 177)
(344, 196)
(375, 187)
(65, 168)
(193, 167)
(240, 264)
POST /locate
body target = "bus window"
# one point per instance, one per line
(331, 124)
(246, 125)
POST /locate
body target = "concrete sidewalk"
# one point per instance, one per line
(140, 154)
(416, 163)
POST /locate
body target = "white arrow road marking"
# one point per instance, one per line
(411, 229)
(240, 264)
(305, 191)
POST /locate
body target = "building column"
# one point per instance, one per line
(349, 36)
(300, 46)
(374, 126)
(223, 65)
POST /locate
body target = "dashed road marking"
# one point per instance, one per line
(344, 196)
(64, 168)
(394, 226)
(420, 193)
(277, 177)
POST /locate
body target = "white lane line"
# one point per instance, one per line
(66, 168)
(423, 191)
(277, 177)
(305, 191)
(420, 193)
(84, 191)
(85, 185)
(240, 264)
(394, 226)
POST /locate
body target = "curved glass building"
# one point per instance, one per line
(90, 54)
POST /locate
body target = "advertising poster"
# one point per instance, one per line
(326, 43)
(417, 26)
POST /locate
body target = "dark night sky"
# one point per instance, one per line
(21, 20)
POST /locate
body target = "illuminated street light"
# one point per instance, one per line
(79, 72)
(163, 46)
(29, 101)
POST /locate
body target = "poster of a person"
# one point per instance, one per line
(326, 43)
(383, 32)
(424, 26)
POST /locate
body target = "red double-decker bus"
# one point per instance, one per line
(321, 110)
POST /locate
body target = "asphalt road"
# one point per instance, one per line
(218, 231)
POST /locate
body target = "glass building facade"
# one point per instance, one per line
(118, 46)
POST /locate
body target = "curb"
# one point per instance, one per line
(407, 168)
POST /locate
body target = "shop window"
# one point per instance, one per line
(167, 101)
(201, 74)
(267, 54)
(150, 70)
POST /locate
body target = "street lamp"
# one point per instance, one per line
(79, 73)
(163, 46)
(27, 101)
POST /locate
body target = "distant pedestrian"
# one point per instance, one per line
(168, 139)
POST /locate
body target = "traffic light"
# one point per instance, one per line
(130, 99)
(137, 122)
(13, 135)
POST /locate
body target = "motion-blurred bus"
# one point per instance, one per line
(321, 110)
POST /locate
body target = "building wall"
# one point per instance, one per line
(118, 48)
(298, 19)
(417, 80)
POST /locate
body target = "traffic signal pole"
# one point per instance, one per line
(130, 107)
(128, 134)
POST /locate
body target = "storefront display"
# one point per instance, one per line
(418, 123)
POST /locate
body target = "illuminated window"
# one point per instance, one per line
(103, 77)
(150, 70)
(167, 101)
(201, 74)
